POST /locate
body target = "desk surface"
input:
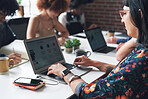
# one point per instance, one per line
(60, 91)
(10, 91)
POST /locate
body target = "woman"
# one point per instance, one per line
(46, 22)
(74, 19)
(8, 7)
(129, 78)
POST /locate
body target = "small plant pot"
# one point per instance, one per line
(21, 11)
(76, 47)
(69, 50)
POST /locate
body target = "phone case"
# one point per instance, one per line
(30, 87)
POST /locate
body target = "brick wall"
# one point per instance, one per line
(105, 13)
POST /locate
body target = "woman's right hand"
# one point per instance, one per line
(83, 60)
(16, 57)
(61, 40)
(111, 40)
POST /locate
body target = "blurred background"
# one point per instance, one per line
(105, 13)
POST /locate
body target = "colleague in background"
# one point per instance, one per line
(46, 23)
(128, 79)
(125, 46)
(74, 19)
(115, 40)
(8, 7)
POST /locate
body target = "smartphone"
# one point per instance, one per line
(28, 81)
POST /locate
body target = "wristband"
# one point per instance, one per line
(71, 77)
(65, 72)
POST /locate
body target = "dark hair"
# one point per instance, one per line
(76, 3)
(126, 3)
(59, 6)
(141, 22)
(8, 6)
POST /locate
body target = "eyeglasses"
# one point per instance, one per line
(123, 12)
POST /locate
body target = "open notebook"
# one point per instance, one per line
(19, 47)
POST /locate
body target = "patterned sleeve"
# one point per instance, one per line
(122, 82)
(100, 89)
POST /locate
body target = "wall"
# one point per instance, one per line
(30, 7)
(105, 13)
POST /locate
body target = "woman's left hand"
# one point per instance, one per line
(93, 26)
(56, 69)
(16, 57)
(119, 46)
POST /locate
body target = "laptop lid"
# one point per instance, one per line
(95, 39)
(43, 52)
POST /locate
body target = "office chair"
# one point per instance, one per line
(19, 27)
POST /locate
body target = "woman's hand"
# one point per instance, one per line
(61, 40)
(83, 60)
(16, 57)
(56, 69)
(119, 46)
(93, 26)
(111, 40)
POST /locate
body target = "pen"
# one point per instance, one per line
(13, 51)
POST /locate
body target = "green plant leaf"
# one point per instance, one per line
(68, 44)
(76, 42)
(19, 1)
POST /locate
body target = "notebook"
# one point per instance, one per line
(45, 51)
(96, 41)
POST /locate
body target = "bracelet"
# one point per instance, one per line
(71, 77)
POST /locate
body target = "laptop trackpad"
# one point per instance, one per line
(79, 71)
(106, 49)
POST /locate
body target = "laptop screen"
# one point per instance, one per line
(43, 52)
(95, 39)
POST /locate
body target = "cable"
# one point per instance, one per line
(57, 82)
(51, 84)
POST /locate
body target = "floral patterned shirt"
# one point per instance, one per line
(128, 80)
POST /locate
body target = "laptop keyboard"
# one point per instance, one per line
(55, 77)
(106, 49)
(67, 65)
(73, 68)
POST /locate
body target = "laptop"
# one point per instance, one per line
(96, 41)
(45, 51)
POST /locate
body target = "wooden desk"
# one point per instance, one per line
(60, 91)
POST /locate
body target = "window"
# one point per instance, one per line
(30, 7)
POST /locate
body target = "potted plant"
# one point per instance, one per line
(76, 44)
(68, 45)
(21, 8)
